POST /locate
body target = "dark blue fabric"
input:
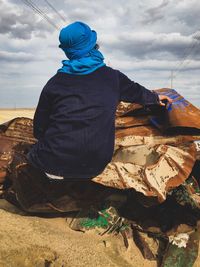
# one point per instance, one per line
(75, 121)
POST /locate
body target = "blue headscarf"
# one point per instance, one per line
(78, 42)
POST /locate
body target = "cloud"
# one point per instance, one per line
(141, 45)
(144, 39)
(18, 23)
(188, 13)
(15, 57)
(154, 14)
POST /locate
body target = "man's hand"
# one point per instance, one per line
(163, 100)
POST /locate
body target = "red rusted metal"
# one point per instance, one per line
(12, 133)
(18, 130)
(145, 158)
(124, 108)
(181, 113)
(149, 135)
(126, 122)
(151, 170)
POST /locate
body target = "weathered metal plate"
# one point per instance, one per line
(125, 122)
(12, 133)
(19, 130)
(180, 116)
(144, 158)
(6, 151)
(197, 144)
(150, 170)
(150, 136)
(124, 108)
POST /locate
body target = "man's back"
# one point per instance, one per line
(74, 123)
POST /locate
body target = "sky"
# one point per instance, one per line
(148, 40)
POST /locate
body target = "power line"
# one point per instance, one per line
(187, 52)
(55, 10)
(187, 61)
(38, 11)
(44, 15)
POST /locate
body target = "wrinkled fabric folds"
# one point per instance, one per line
(78, 42)
(84, 65)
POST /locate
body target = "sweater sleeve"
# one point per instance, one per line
(41, 116)
(135, 93)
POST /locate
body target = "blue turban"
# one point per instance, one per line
(78, 42)
(77, 39)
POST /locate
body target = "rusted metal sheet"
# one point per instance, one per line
(144, 159)
(18, 130)
(6, 156)
(150, 136)
(126, 122)
(12, 133)
(197, 143)
(152, 171)
(124, 108)
(180, 116)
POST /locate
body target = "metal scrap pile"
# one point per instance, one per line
(156, 164)
(154, 149)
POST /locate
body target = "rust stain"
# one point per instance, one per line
(126, 122)
(168, 168)
(154, 153)
(18, 130)
(181, 113)
(124, 108)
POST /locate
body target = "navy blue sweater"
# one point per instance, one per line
(75, 121)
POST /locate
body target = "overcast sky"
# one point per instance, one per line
(145, 39)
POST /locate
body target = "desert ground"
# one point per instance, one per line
(27, 241)
(9, 114)
(37, 241)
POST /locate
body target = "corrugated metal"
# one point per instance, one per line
(6, 151)
(126, 122)
(181, 113)
(179, 117)
(151, 170)
(18, 130)
(149, 135)
(124, 108)
(147, 159)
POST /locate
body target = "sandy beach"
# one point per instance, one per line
(39, 241)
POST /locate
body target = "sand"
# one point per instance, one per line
(9, 114)
(27, 241)
(36, 241)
